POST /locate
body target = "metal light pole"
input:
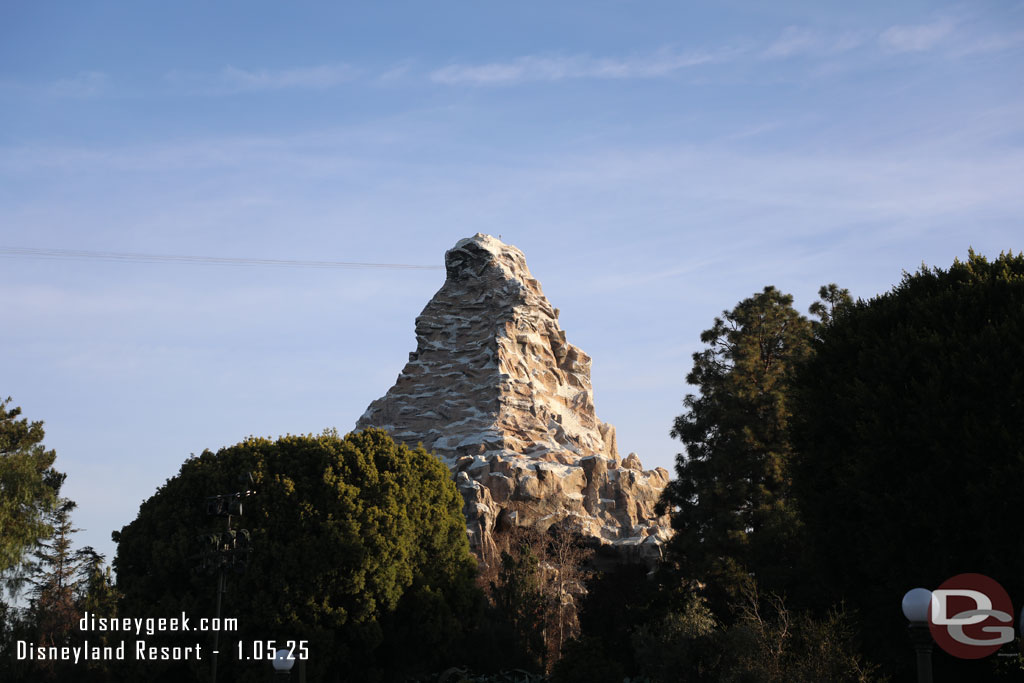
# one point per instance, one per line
(915, 609)
(230, 548)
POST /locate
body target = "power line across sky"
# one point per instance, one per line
(120, 257)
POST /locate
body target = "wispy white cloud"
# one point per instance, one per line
(797, 40)
(396, 72)
(918, 37)
(232, 79)
(537, 68)
(313, 77)
(792, 41)
(85, 84)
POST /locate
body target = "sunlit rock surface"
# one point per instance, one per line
(495, 390)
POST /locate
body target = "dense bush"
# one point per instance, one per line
(358, 546)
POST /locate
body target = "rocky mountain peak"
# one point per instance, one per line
(472, 254)
(495, 390)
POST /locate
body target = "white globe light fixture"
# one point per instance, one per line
(282, 662)
(915, 605)
(915, 608)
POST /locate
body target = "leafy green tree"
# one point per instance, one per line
(348, 534)
(680, 644)
(730, 501)
(28, 486)
(910, 435)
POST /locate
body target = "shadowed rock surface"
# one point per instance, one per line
(495, 390)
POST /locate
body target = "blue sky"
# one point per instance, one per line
(656, 162)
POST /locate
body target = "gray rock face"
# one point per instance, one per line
(495, 390)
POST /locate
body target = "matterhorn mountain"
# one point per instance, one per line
(495, 390)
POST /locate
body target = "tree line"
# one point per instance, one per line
(831, 462)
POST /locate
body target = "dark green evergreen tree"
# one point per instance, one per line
(832, 300)
(910, 435)
(731, 501)
(97, 593)
(28, 486)
(55, 578)
(62, 582)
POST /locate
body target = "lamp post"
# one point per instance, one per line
(283, 663)
(230, 548)
(915, 609)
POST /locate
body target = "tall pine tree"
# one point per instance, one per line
(56, 576)
(730, 501)
(28, 486)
